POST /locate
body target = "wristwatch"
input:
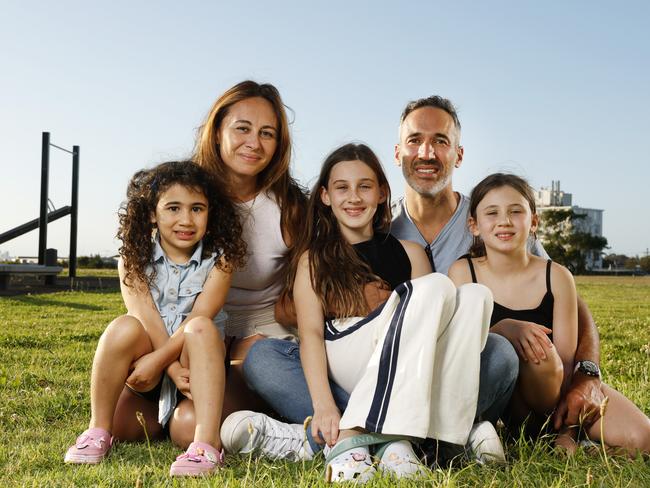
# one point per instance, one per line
(587, 367)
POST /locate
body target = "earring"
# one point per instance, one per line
(533, 234)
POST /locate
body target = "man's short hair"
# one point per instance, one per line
(434, 101)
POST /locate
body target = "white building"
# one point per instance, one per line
(555, 199)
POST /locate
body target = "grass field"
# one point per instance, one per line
(47, 343)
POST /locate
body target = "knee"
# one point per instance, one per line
(499, 362)
(550, 367)
(477, 294)
(124, 330)
(202, 330)
(262, 361)
(182, 424)
(438, 284)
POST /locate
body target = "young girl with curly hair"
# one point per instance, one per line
(535, 309)
(181, 241)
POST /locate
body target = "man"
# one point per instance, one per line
(434, 215)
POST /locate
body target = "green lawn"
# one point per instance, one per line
(46, 348)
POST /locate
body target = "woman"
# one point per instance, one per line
(245, 143)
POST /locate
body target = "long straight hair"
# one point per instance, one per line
(337, 274)
(276, 176)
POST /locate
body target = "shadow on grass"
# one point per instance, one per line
(44, 302)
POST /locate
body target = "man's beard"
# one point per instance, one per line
(426, 189)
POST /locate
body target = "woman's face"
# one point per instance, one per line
(248, 138)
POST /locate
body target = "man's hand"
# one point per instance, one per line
(146, 373)
(181, 378)
(580, 404)
(529, 339)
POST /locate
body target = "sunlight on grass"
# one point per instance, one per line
(47, 343)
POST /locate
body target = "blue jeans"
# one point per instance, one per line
(273, 370)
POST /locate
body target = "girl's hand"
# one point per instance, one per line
(181, 378)
(529, 339)
(146, 372)
(325, 425)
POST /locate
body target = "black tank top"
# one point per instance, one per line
(542, 314)
(386, 257)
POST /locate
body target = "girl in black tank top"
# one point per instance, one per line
(502, 219)
(542, 314)
(531, 295)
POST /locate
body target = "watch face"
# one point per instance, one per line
(589, 368)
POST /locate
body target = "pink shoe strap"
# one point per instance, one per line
(94, 434)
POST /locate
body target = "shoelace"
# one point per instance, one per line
(281, 440)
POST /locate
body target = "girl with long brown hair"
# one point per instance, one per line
(401, 361)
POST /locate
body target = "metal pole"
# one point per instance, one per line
(72, 256)
(42, 220)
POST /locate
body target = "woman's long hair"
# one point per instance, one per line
(276, 176)
(136, 229)
(337, 273)
(489, 183)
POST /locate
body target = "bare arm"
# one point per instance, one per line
(313, 356)
(167, 349)
(459, 273)
(584, 396)
(565, 318)
(139, 304)
(588, 340)
(419, 262)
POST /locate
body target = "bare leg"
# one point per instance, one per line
(203, 353)
(623, 426)
(125, 422)
(123, 341)
(538, 388)
(238, 396)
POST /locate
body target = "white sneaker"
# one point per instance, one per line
(247, 432)
(484, 445)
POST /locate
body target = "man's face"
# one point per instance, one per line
(428, 150)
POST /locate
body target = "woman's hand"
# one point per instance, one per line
(325, 425)
(181, 378)
(529, 339)
(376, 293)
(146, 372)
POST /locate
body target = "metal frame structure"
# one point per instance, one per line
(45, 216)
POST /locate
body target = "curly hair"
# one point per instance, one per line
(223, 232)
(337, 273)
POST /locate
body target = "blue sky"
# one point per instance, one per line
(550, 90)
